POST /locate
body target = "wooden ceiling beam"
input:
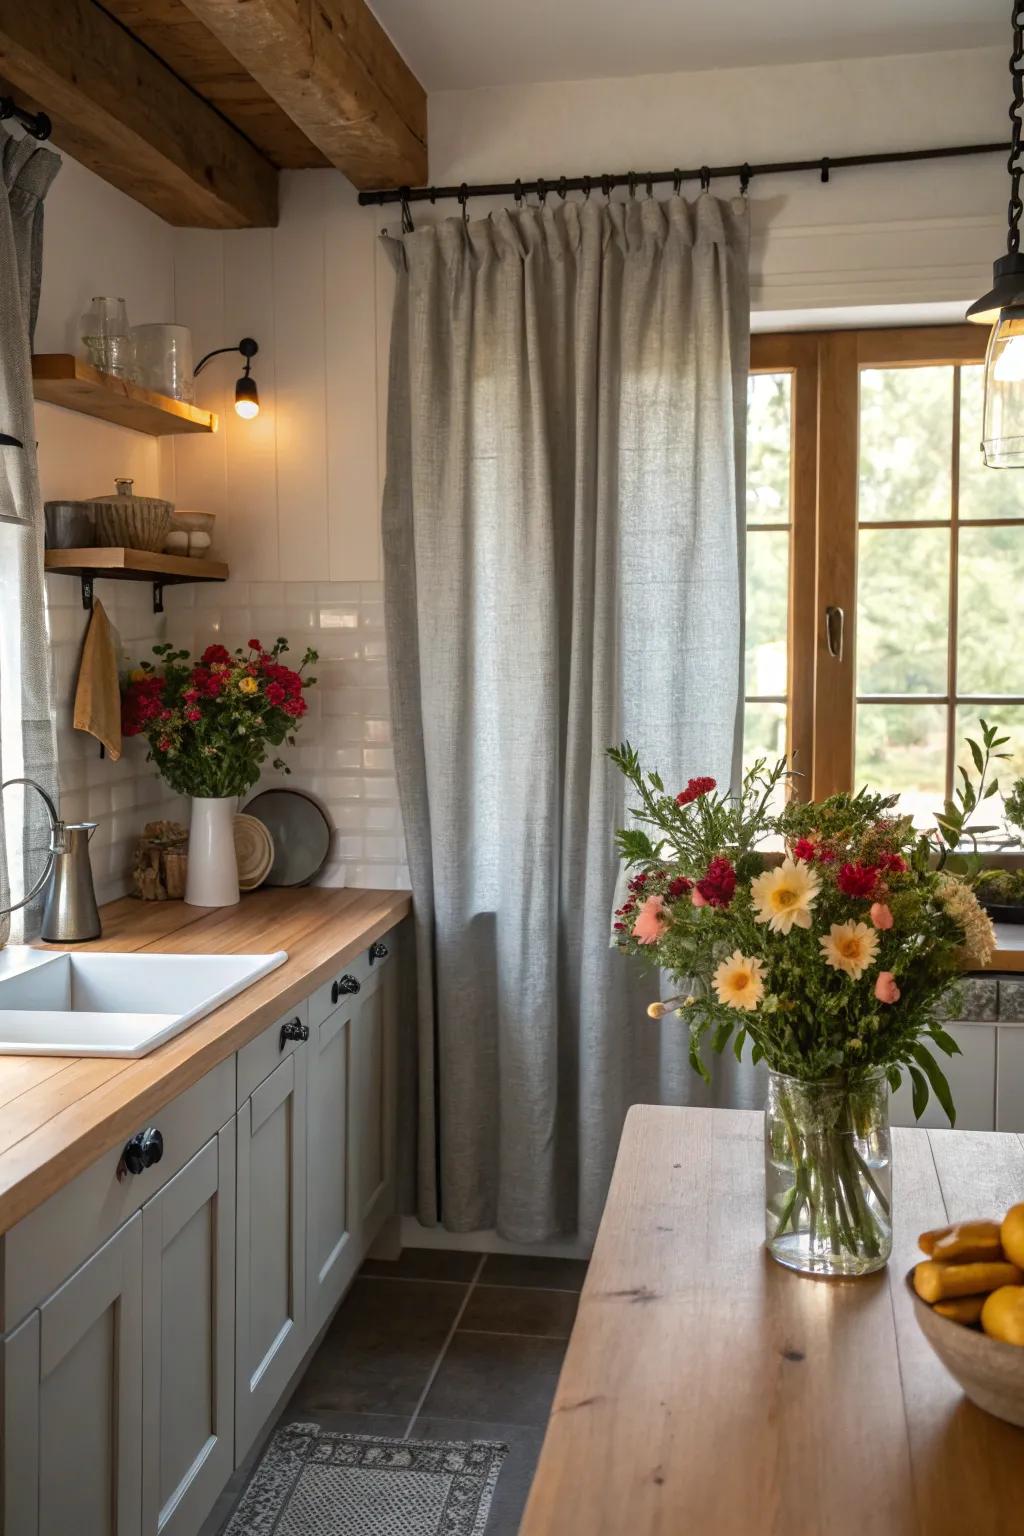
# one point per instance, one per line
(126, 116)
(331, 66)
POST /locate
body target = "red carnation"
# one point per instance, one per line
(294, 707)
(679, 887)
(215, 653)
(893, 863)
(718, 884)
(638, 882)
(619, 927)
(694, 789)
(192, 713)
(275, 693)
(804, 849)
(858, 880)
(164, 744)
(254, 645)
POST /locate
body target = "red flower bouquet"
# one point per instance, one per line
(209, 723)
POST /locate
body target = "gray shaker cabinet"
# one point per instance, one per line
(73, 1402)
(188, 1317)
(270, 1331)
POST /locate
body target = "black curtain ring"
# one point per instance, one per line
(463, 202)
(826, 166)
(705, 178)
(631, 178)
(606, 185)
(745, 175)
(677, 181)
(563, 188)
(518, 192)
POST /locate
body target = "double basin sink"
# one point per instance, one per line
(93, 1004)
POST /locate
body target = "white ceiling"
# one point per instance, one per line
(462, 44)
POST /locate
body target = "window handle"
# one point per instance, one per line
(834, 621)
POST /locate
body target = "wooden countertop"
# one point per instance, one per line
(59, 1113)
(706, 1389)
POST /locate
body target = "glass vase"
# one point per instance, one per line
(828, 1174)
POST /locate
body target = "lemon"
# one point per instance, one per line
(1011, 1234)
(1002, 1316)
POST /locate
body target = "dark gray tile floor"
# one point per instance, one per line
(448, 1346)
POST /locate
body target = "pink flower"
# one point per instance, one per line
(650, 925)
(697, 898)
(886, 989)
(880, 915)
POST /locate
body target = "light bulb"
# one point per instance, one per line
(247, 408)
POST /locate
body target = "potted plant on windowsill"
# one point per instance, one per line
(209, 725)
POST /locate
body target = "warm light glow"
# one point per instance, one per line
(247, 408)
(1008, 367)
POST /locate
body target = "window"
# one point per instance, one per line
(866, 496)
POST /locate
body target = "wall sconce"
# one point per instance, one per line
(247, 397)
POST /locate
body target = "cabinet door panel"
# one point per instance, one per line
(77, 1374)
(270, 1331)
(972, 1081)
(188, 1340)
(372, 1110)
(331, 1253)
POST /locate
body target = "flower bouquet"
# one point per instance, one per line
(830, 960)
(208, 725)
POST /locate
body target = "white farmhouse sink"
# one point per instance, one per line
(95, 1004)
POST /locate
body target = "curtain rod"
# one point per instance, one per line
(824, 164)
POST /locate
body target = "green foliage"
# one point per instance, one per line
(955, 820)
(1015, 804)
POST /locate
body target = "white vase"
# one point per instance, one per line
(212, 879)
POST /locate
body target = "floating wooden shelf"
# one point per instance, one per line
(61, 379)
(132, 565)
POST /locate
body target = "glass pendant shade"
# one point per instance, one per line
(1003, 422)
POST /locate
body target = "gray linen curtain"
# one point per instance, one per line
(563, 566)
(27, 743)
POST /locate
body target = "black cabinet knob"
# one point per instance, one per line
(345, 986)
(378, 951)
(143, 1150)
(293, 1030)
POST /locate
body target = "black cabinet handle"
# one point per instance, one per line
(143, 1150)
(345, 986)
(378, 951)
(293, 1030)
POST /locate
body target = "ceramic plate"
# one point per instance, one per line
(254, 850)
(300, 831)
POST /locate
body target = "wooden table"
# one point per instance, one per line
(707, 1391)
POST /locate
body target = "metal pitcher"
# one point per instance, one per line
(70, 914)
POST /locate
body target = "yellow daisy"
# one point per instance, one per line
(850, 947)
(785, 895)
(738, 982)
(248, 685)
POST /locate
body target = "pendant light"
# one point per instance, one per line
(247, 397)
(1003, 306)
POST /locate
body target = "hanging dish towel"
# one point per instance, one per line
(98, 695)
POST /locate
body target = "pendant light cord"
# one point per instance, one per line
(1014, 164)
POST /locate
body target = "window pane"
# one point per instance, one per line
(767, 612)
(902, 610)
(1011, 718)
(764, 736)
(769, 432)
(901, 749)
(906, 428)
(983, 492)
(991, 608)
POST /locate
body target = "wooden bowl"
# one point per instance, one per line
(990, 1372)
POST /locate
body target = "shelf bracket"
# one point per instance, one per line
(87, 593)
(158, 597)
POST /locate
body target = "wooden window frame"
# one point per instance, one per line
(825, 367)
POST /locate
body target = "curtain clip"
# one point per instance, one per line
(586, 188)
(407, 224)
(650, 185)
(606, 185)
(518, 192)
(563, 188)
(463, 202)
(705, 178)
(631, 179)
(542, 190)
(677, 181)
(826, 167)
(745, 174)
